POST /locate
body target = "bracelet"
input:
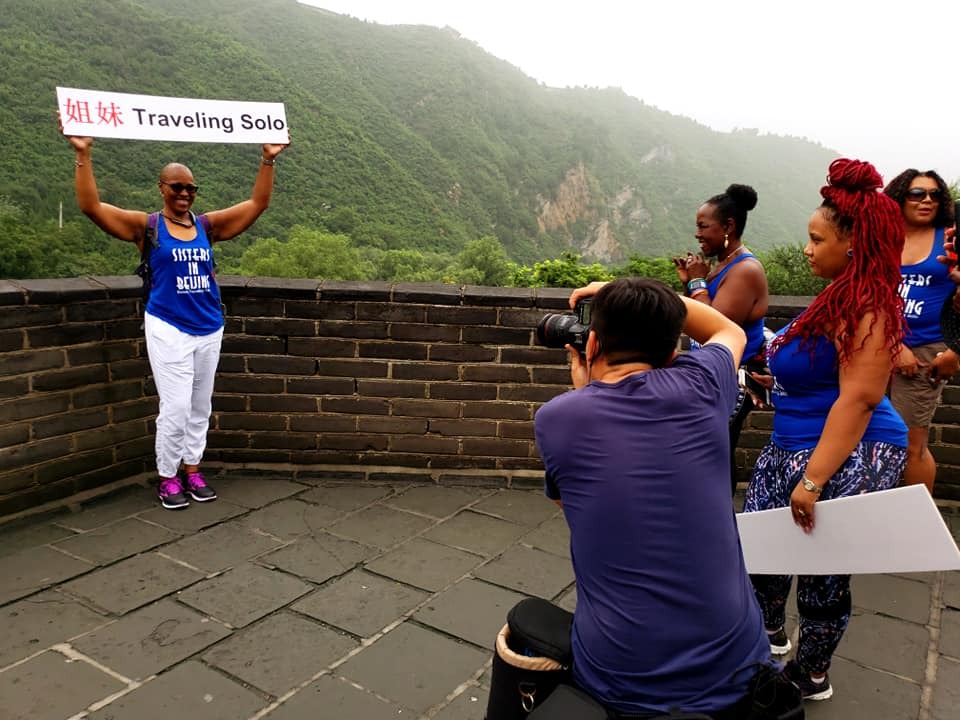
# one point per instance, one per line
(268, 162)
(698, 291)
(696, 284)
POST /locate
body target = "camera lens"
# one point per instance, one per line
(554, 330)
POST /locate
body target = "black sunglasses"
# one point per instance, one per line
(180, 187)
(920, 194)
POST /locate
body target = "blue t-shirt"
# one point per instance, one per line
(666, 615)
(184, 292)
(805, 389)
(925, 287)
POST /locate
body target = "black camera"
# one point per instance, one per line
(558, 330)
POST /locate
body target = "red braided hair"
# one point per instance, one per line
(869, 283)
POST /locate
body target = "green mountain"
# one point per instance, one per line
(402, 137)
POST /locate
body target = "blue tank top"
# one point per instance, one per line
(805, 388)
(753, 328)
(925, 287)
(184, 292)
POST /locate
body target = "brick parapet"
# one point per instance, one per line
(380, 377)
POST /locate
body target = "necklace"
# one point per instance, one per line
(174, 220)
(723, 263)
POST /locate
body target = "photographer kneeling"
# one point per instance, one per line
(637, 455)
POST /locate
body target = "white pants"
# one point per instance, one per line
(183, 367)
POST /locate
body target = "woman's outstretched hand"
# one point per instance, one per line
(271, 150)
(79, 142)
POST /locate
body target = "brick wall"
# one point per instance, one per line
(431, 382)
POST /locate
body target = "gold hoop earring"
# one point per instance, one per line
(726, 241)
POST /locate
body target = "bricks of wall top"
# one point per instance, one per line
(433, 379)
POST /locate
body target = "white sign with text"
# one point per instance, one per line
(899, 530)
(151, 117)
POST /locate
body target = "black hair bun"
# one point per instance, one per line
(743, 195)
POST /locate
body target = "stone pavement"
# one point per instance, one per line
(295, 598)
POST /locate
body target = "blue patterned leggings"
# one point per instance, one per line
(823, 601)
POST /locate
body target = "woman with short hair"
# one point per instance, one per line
(183, 318)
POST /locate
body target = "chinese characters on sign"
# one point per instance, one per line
(78, 111)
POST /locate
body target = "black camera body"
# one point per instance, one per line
(557, 330)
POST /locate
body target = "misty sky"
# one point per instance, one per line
(872, 80)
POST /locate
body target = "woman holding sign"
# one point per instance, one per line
(835, 434)
(183, 318)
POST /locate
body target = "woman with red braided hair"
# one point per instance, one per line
(835, 434)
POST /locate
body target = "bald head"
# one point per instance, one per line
(176, 172)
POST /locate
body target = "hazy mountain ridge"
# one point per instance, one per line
(402, 136)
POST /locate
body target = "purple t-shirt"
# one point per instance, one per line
(666, 615)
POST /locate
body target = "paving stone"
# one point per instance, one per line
(190, 690)
(340, 701)
(221, 547)
(347, 497)
(151, 639)
(118, 540)
(50, 687)
(950, 633)
(318, 558)
(867, 641)
(244, 594)
(28, 571)
(524, 507)
(290, 519)
(894, 596)
(133, 582)
(951, 589)
(553, 536)
(476, 533)
(194, 518)
(946, 694)
(415, 667)
(425, 564)
(360, 603)
(471, 610)
(434, 500)
(925, 577)
(279, 652)
(380, 526)
(40, 621)
(471, 704)
(862, 694)
(568, 601)
(530, 571)
(25, 535)
(110, 508)
(256, 491)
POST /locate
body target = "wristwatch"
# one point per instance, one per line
(810, 486)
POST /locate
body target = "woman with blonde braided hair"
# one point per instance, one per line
(835, 433)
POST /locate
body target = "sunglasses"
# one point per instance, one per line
(920, 194)
(180, 187)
